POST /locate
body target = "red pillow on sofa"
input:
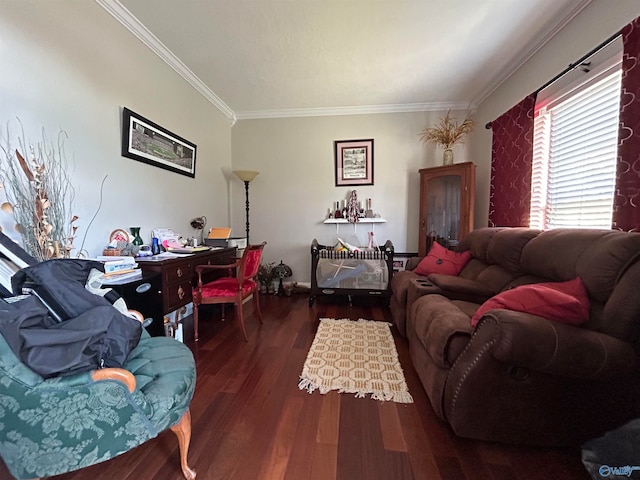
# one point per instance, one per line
(442, 260)
(564, 302)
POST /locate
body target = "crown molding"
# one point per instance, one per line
(526, 56)
(359, 110)
(131, 23)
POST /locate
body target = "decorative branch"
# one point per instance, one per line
(81, 250)
(448, 131)
(40, 194)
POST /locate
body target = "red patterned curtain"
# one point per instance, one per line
(511, 158)
(626, 201)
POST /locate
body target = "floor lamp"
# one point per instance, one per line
(246, 176)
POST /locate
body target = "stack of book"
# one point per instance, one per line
(119, 268)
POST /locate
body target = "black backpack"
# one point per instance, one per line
(63, 328)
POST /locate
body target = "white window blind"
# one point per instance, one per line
(574, 158)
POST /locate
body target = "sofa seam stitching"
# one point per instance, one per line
(468, 369)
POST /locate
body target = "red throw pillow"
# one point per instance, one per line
(442, 260)
(564, 302)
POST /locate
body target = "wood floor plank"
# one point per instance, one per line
(276, 462)
(392, 436)
(423, 463)
(493, 454)
(360, 443)
(304, 448)
(250, 421)
(397, 465)
(329, 426)
(501, 472)
(324, 463)
(470, 460)
(266, 415)
(450, 468)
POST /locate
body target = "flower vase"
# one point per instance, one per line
(447, 157)
(137, 239)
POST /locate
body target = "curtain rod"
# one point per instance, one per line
(572, 66)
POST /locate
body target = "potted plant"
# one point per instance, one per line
(265, 276)
(447, 133)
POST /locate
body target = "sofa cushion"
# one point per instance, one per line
(565, 302)
(478, 242)
(599, 257)
(495, 278)
(506, 246)
(442, 260)
(452, 283)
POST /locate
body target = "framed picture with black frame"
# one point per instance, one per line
(400, 260)
(148, 142)
(353, 162)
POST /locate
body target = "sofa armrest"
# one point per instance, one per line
(554, 348)
(441, 327)
(118, 374)
(400, 285)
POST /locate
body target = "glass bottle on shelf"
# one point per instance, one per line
(338, 213)
(369, 211)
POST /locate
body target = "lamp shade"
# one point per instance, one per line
(282, 270)
(245, 175)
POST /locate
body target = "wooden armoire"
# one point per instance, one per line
(447, 196)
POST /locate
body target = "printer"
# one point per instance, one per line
(219, 237)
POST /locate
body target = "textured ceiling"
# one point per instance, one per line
(265, 58)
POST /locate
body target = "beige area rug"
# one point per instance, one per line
(355, 357)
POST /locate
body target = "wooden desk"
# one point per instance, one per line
(145, 295)
(178, 274)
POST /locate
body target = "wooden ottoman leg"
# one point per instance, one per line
(182, 429)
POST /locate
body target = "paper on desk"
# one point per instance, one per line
(114, 258)
(160, 256)
(122, 278)
(219, 232)
(187, 250)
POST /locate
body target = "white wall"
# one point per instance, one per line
(596, 23)
(290, 198)
(69, 65)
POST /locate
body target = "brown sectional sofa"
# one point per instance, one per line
(517, 377)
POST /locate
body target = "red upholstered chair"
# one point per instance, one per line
(233, 288)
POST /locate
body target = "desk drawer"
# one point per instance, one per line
(177, 295)
(178, 273)
(145, 295)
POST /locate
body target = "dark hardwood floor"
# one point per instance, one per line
(251, 422)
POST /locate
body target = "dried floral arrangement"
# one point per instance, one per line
(448, 131)
(39, 194)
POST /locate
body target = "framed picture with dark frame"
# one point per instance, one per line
(148, 142)
(401, 259)
(353, 162)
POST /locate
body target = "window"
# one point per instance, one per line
(574, 155)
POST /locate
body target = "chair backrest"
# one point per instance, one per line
(250, 261)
